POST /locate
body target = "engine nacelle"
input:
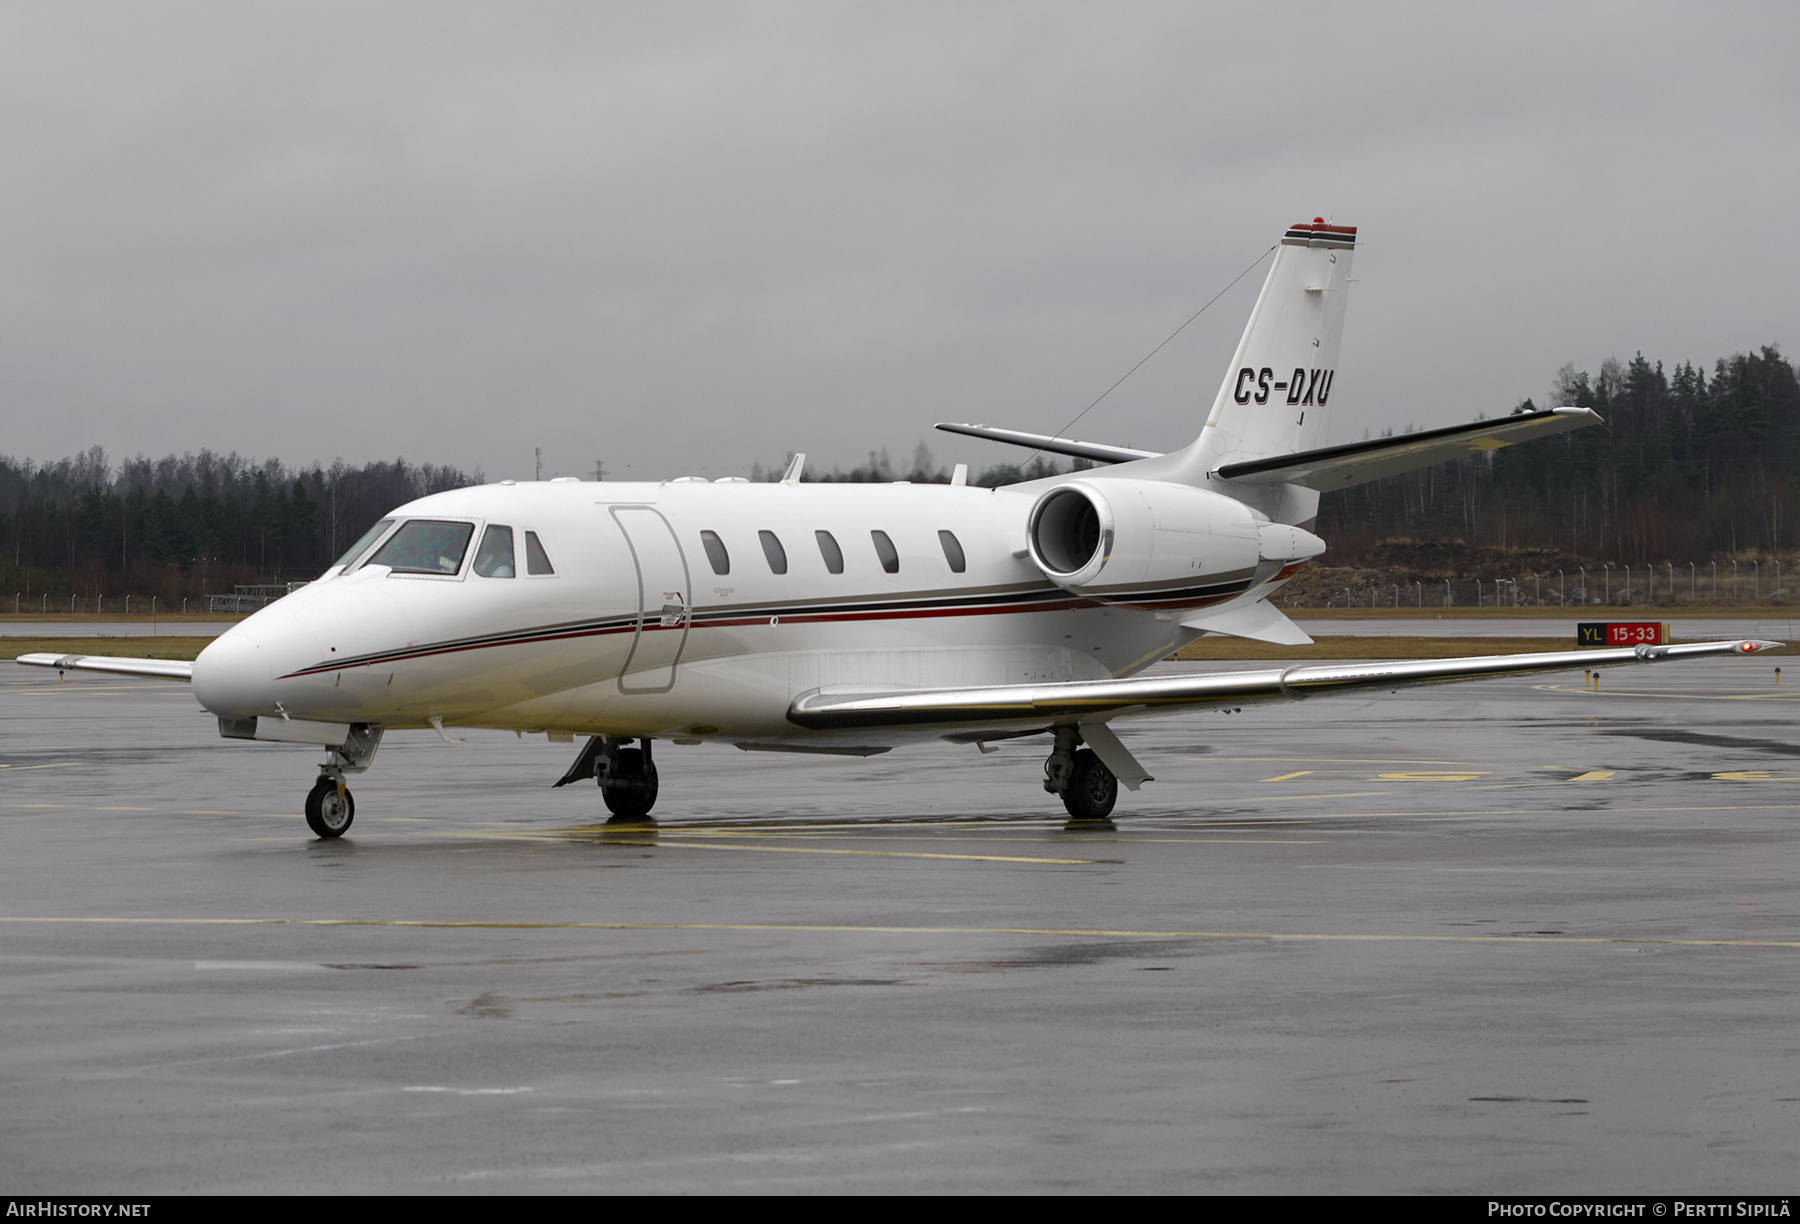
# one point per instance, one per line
(1150, 543)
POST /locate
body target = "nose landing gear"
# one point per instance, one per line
(329, 807)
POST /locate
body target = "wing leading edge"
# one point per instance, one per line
(160, 669)
(1081, 700)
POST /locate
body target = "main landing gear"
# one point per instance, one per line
(627, 776)
(1087, 787)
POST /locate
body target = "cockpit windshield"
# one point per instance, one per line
(425, 546)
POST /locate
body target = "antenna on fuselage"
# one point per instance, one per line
(539, 475)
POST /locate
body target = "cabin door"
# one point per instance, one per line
(663, 610)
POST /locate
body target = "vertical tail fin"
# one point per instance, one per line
(1277, 392)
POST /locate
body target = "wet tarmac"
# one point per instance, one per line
(1515, 937)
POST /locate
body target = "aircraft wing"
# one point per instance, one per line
(1339, 467)
(1083, 700)
(161, 669)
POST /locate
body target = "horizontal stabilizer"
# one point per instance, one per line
(1097, 451)
(1340, 467)
(1259, 621)
(1040, 704)
(161, 669)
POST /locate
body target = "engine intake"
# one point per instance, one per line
(1071, 534)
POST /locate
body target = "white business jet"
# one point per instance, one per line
(852, 618)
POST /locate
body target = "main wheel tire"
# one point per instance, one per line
(327, 812)
(1092, 788)
(634, 799)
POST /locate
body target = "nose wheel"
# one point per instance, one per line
(329, 808)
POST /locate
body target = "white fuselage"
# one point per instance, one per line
(635, 634)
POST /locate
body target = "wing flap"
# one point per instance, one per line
(1079, 700)
(160, 669)
(1340, 467)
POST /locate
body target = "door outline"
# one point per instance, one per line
(648, 552)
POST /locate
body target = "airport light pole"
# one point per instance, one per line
(1693, 582)
(1609, 566)
(1734, 582)
(1562, 597)
(1756, 580)
(1449, 597)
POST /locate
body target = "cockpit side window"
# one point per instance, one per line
(494, 559)
(537, 561)
(362, 546)
(715, 552)
(426, 546)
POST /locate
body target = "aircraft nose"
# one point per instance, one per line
(232, 676)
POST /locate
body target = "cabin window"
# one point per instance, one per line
(494, 558)
(362, 546)
(828, 549)
(773, 550)
(953, 552)
(715, 552)
(884, 548)
(424, 546)
(537, 561)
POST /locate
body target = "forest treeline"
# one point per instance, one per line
(183, 526)
(1687, 467)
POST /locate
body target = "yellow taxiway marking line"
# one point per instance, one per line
(1285, 777)
(1341, 760)
(854, 929)
(56, 765)
(872, 832)
(1769, 696)
(1594, 775)
(694, 845)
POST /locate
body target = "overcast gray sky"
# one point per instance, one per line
(685, 237)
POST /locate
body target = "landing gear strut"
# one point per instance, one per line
(627, 776)
(1087, 787)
